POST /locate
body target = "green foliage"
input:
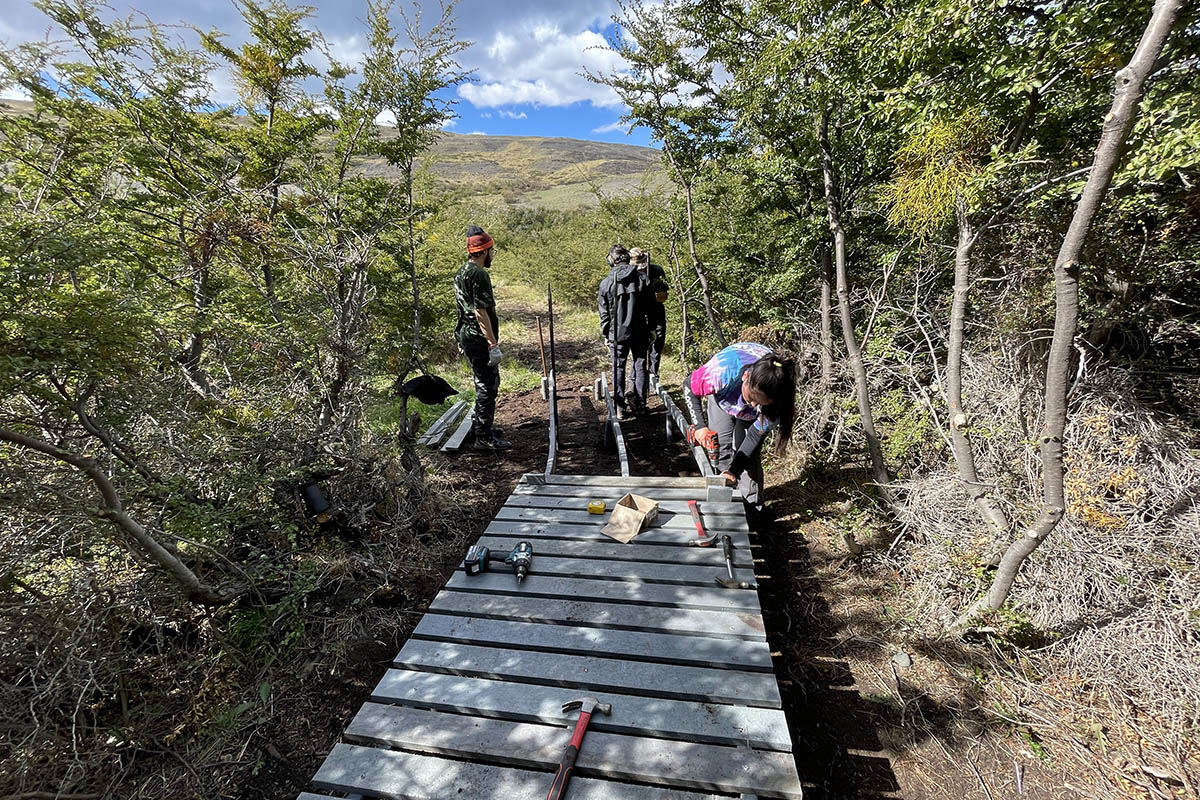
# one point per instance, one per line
(937, 171)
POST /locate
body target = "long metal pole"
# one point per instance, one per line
(542, 347)
(550, 304)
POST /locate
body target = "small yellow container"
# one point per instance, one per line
(596, 507)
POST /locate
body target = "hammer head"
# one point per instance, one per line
(588, 705)
(729, 583)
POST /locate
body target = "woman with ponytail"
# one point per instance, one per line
(750, 391)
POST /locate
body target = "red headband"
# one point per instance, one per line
(478, 243)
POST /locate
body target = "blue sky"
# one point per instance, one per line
(527, 57)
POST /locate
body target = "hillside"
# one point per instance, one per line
(540, 171)
(524, 170)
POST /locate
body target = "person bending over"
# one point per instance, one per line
(750, 390)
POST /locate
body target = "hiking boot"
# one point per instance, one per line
(492, 442)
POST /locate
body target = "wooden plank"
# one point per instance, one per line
(636, 571)
(438, 429)
(615, 426)
(553, 406)
(673, 413)
(633, 645)
(666, 519)
(616, 616)
(704, 723)
(591, 673)
(664, 506)
(615, 551)
(685, 482)
(674, 537)
(524, 744)
(408, 776)
(455, 442)
(701, 598)
(613, 492)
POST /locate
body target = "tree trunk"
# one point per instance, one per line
(826, 380)
(1130, 83)
(697, 265)
(854, 354)
(960, 442)
(114, 511)
(681, 291)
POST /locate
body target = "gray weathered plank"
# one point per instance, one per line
(615, 426)
(609, 492)
(761, 728)
(629, 483)
(552, 397)
(438, 429)
(638, 645)
(455, 442)
(666, 519)
(524, 744)
(311, 796)
(675, 415)
(409, 776)
(617, 616)
(701, 684)
(615, 551)
(680, 537)
(707, 509)
(703, 598)
(636, 571)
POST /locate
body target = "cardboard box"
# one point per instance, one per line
(629, 516)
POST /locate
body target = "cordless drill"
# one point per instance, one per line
(520, 558)
(711, 447)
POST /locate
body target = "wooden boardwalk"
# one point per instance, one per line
(471, 707)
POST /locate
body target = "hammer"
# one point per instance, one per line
(587, 706)
(731, 582)
(705, 540)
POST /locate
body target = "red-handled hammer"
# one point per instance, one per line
(587, 706)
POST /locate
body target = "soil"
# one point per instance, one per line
(861, 730)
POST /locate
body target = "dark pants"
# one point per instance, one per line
(730, 433)
(658, 340)
(620, 353)
(487, 386)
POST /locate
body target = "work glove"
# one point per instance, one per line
(494, 355)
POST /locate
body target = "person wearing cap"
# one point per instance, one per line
(622, 301)
(478, 335)
(656, 311)
(750, 390)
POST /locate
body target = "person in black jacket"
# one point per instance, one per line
(656, 311)
(623, 304)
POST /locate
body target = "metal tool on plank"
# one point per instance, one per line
(731, 582)
(520, 558)
(705, 540)
(587, 706)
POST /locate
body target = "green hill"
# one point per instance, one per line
(540, 171)
(523, 170)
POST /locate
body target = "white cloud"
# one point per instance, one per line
(611, 127)
(512, 114)
(14, 93)
(448, 124)
(387, 119)
(542, 66)
(477, 133)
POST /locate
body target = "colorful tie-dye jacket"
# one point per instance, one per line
(721, 377)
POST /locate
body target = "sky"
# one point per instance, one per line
(527, 57)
